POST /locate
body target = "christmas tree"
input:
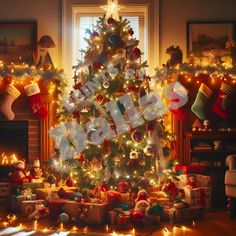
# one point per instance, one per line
(111, 125)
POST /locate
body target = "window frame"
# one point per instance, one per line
(148, 8)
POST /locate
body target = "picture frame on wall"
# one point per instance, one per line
(205, 37)
(18, 42)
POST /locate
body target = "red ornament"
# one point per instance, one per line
(111, 21)
(95, 34)
(136, 53)
(99, 98)
(138, 218)
(123, 187)
(130, 32)
(69, 182)
(137, 136)
(77, 86)
(76, 114)
(150, 126)
(8, 79)
(97, 66)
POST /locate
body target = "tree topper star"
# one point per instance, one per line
(112, 9)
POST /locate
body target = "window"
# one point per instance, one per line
(83, 21)
(80, 14)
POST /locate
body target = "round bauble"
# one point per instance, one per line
(115, 40)
(97, 66)
(51, 179)
(8, 79)
(137, 136)
(106, 84)
(111, 21)
(136, 53)
(148, 150)
(76, 196)
(166, 151)
(99, 98)
(62, 193)
(69, 182)
(63, 218)
(95, 34)
(130, 32)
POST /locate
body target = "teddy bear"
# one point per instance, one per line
(40, 212)
(20, 175)
(36, 171)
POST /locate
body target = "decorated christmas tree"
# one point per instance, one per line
(111, 128)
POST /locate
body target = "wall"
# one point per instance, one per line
(173, 17)
(175, 13)
(46, 12)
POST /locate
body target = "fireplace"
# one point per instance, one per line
(14, 138)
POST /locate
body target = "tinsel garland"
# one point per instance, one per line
(186, 68)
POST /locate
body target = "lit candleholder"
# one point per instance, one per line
(11, 218)
(193, 223)
(5, 224)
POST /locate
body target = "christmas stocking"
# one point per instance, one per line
(220, 105)
(11, 94)
(36, 106)
(199, 104)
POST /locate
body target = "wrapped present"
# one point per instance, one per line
(5, 188)
(14, 202)
(86, 213)
(198, 197)
(112, 197)
(181, 215)
(56, 207)
(112, 217)
(194, 180)
(28, 206)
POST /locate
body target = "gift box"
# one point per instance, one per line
(5, 189)
(14, 202)
(86, 213)
(123, 221)
(194, 179)
(113, 197)
(198, 197)
(56, 207)
(28, 206)
(181, 215)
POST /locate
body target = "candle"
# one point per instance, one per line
(85, 230)
(5, 224)
(133, 231)
(74, 228)
(35, 225)
(107, 228)
(193, 223)
(61, 227)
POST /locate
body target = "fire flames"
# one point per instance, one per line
(8, 159)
